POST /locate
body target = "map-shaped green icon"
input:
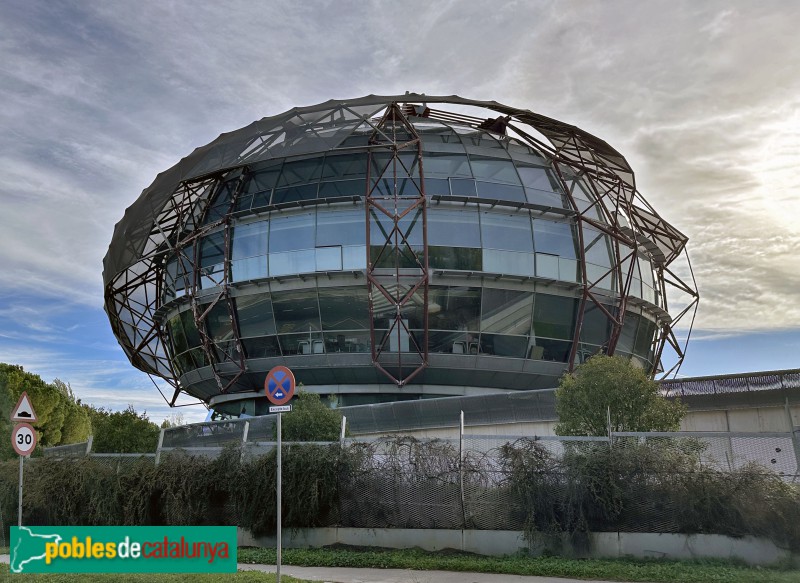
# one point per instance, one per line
(29, 547)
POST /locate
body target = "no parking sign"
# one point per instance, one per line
(279, 385)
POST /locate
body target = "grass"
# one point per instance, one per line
(241, 577)
(654, 571)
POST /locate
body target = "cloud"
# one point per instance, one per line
(98, 98)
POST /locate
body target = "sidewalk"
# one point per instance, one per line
(347, 575)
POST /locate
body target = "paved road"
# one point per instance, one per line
(346, 575)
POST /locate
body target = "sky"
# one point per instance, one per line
(97, 98)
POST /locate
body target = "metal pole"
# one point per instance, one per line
(461, 468)
(794, 435)
(19, 510)
(278, 531)
(244, 439)
(160, 444)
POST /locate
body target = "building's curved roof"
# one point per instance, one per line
(325, 126)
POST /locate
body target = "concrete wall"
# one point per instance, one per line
(745, 419)
(753, 551)
(753, 419)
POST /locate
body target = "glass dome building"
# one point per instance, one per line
(389, 248)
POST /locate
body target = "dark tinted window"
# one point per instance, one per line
(255, 315)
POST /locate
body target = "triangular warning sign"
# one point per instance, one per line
(24, 412)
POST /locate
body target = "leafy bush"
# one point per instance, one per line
(656, 486)
(311, 420)
(610, 389)
(659, 485)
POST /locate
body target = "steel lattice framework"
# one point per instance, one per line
(398, 284)
(195, 197)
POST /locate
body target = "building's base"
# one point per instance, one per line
(751, 550)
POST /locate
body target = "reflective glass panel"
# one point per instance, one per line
(328, 258)
(568, 270)
(342, 188)
(261, 181)
(347, 341)
(459, 228)
(499, 345)
(547, 266)
(437, 186)
(176, 335)
(307, 343)
(261, 347)
(341, 227)
(387, 169)
(344, 167)
(296, 311)
(644, 338)
(411, 312)
(596, 246)
(291, 232)
(596, 327)
(508, 262)
(646, 271)
(554, 316)
(189, 329)
(463, 187)
(554, 238)
(627, 337)
(453, 342)
(222, 201)
(354, 257)
(249, 240)
(255, 315)
(291, 262)
(300, 172)
(344, 308)
(506, 311)
(295, 193)
(258, 189)
(494, 170)
(446, 165)
(548, 349)
(212, 249)
(456, 258)
(218, 322)
(537, 178)
(177, 276)
(511, 232)
(454, 308)
(250, 268)
(495, 191)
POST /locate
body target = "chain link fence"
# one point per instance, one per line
(224, 473)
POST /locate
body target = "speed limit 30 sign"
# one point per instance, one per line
(23, 438)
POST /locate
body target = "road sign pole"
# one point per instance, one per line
(279, 386)
(278, 532)
(19, 510)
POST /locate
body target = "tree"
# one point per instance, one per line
(122, 431)
(60, 418)
(76, 427)
(174, 420)
(311, 420)
(584, 398)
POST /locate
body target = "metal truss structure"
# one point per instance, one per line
(198, 195)
(397, 270)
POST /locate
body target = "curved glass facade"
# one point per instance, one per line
(268, 264)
